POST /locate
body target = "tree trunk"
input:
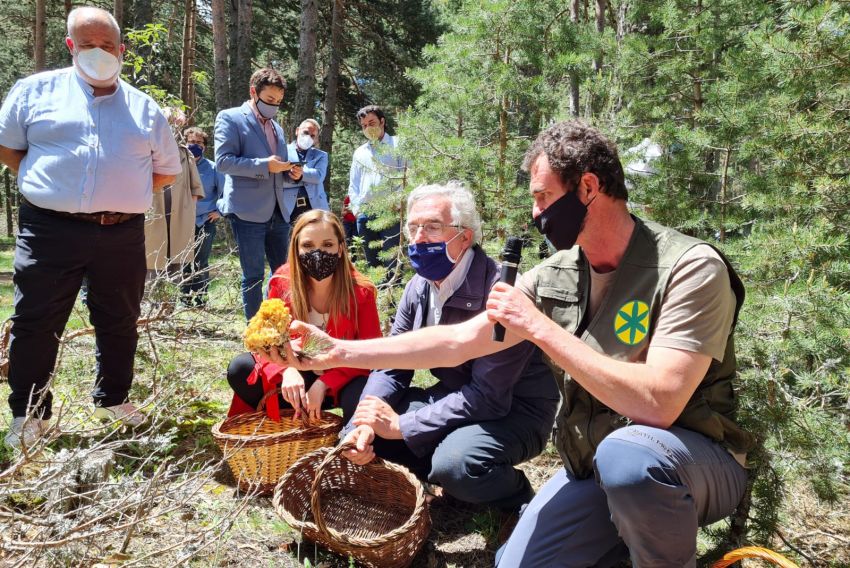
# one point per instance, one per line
(39, 33)
(724, 193)
(601, 5)
(305, 94)
(69, 5)
(187, 58)
(237, 92)
(574, 78)
(622, 21)
(697, 78)
(331, 85)
(244, 68)
(118, 12)
(143, 13)
(222, 73)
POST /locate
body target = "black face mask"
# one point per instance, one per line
(318, 264)
(562, 221)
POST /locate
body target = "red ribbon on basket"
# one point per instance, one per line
(272, 376)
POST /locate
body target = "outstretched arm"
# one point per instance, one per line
(435, 346)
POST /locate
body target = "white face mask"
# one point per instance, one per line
(97, 67)
(305, 141)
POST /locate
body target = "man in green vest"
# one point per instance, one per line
(638, 323)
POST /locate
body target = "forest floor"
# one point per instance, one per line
(162, 495)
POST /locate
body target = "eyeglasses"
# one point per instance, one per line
(432, 229)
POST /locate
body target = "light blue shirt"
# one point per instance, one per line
(372, 164)
(85, 153)
(213, 183)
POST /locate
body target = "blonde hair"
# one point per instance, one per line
(345, 278)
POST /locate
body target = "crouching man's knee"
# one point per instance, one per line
(630, 464)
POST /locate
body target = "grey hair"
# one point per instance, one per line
(91, 13)
(312, 121)
(464, 210)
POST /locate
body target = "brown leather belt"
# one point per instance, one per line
(100, 218)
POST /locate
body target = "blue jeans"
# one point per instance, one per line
(199, 273)
(258, 242)
(389, 239)
(651, 491)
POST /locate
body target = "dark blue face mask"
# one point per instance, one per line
(431, 261)
(196, 150)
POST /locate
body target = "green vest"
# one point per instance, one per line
(622, 329)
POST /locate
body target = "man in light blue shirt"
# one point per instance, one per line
(375, 163)
(89, 150)
(206, 219)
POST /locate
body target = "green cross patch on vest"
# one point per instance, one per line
(632, 322)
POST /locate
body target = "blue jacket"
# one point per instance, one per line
(478, 390)
(242, 154)
(313, 180)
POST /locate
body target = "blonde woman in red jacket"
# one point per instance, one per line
(319, 285)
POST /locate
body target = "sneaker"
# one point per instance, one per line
(25, 432)
(126, 413)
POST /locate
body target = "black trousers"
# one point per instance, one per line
(242, 365)
(52, 255)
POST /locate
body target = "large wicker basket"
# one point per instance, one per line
(259, 450)
(375, 513)
(753, 552)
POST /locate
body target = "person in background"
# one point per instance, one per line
(320, 286)
(89, 150)
(375, 163)
(468, 431)
(170, 225)
(195, 290)
(349, 222)
(305, 189)
(249, 144)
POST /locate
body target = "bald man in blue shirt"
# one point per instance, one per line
(89, 150)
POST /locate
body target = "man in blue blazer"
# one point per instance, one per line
(307, 191)
(248, 146)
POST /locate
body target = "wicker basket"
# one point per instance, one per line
(753, 552)
(259, 450)
(375, 513)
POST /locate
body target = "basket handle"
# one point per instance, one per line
(753, 552)
(316, 503)
(266, 396)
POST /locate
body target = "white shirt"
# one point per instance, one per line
(439, 296)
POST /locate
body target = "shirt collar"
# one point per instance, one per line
(89, 90)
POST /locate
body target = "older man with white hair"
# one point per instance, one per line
(89, 150)
(483, 417)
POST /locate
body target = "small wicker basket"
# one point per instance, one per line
(259, 450)
(753, 552)
(375, 513)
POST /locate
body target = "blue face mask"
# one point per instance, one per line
(431, 261)
(196, 150)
